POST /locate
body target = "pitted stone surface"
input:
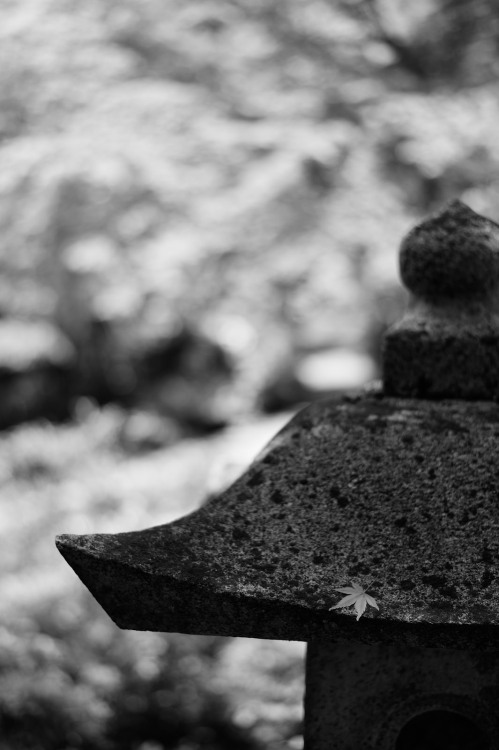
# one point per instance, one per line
(397, 491)
(453, 255)
(447, 344)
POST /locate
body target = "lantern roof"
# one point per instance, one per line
(395, 493)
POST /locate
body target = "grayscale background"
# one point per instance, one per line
(201, 203)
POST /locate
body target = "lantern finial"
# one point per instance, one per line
(447, 344)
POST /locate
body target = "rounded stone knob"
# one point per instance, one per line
(452, 255)
(447, 344)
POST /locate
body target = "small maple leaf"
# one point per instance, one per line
(357, 597)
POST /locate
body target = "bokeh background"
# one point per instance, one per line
(200, 207)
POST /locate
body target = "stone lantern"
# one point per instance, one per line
(397, 486)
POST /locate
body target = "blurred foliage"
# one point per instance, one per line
(69, 679)
(194, 197)
(220, 170)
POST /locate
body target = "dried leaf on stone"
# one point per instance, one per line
(357, 598)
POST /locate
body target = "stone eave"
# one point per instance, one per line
(396, 491)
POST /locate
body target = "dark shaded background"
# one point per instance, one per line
(200, 207)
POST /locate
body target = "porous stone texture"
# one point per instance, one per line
(452, 255)
(367, 697)
(399, 492)
(447, 345)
